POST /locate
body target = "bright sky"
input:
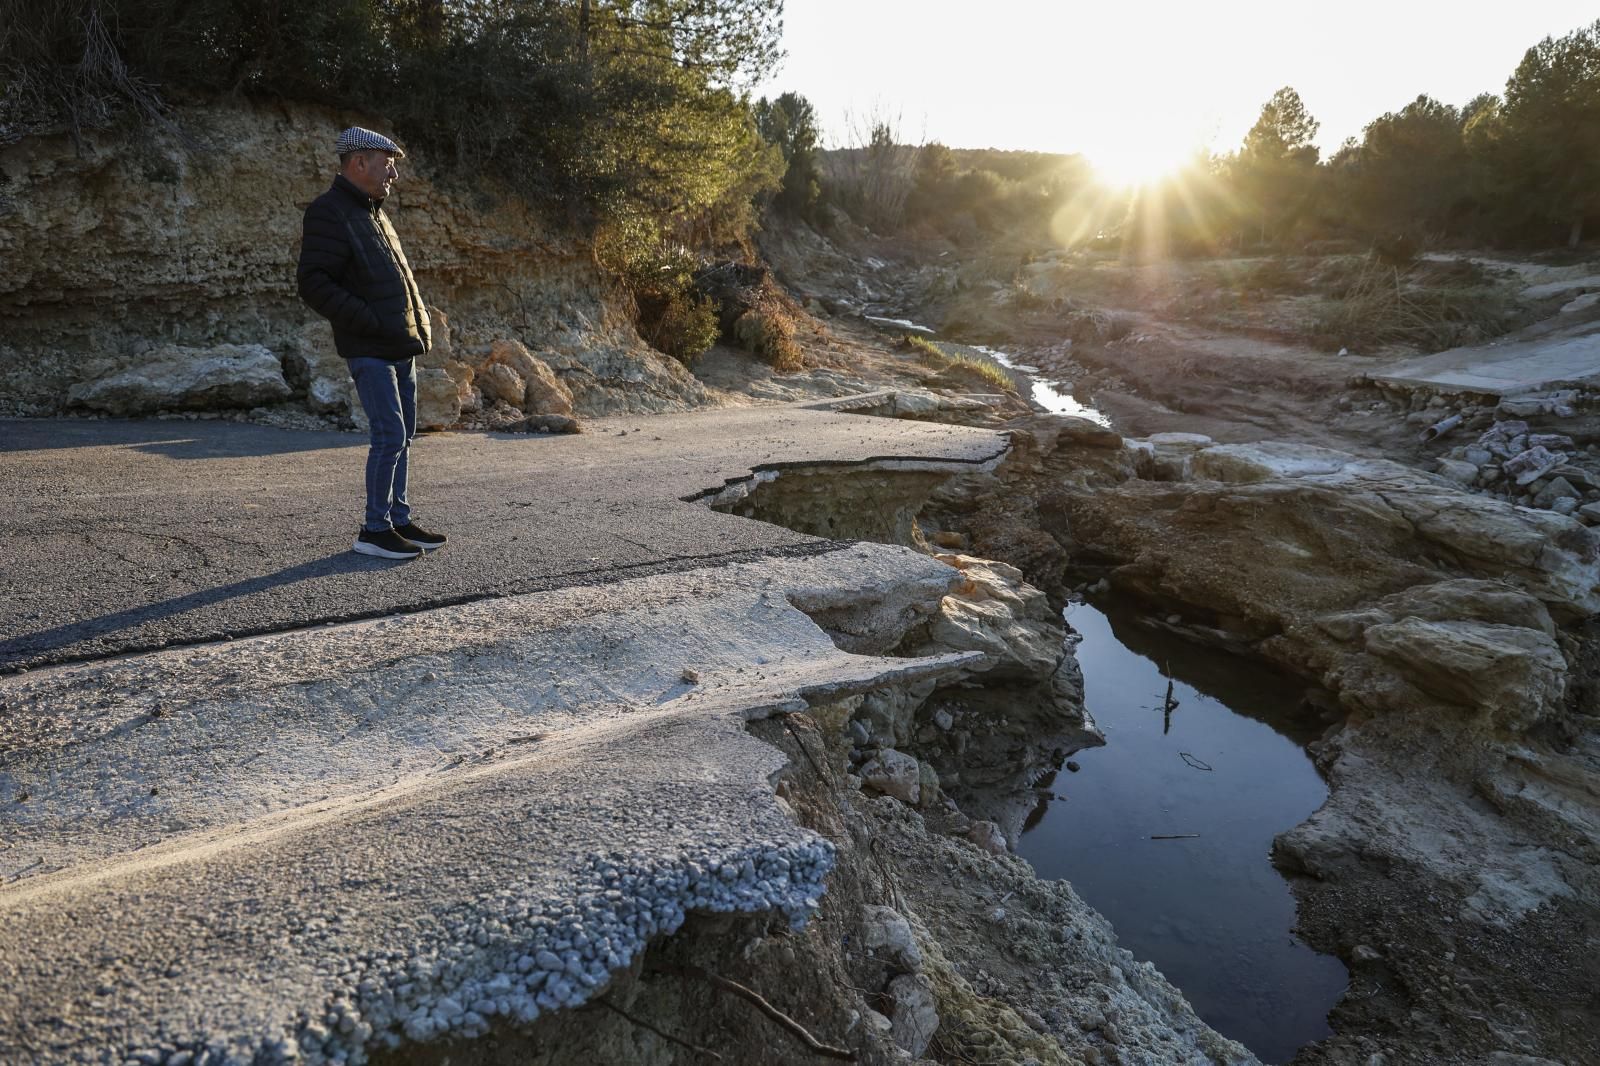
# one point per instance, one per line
(1135, 85)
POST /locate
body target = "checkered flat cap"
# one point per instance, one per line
(357, 139)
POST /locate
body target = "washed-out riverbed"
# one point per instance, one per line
(1218, 778)
(1167, 830)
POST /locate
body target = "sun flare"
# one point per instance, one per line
(1132, 164)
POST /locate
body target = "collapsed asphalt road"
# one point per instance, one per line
(325, 839)
(129, 536)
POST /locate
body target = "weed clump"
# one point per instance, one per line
(753, 312)
(768, 334)
(1375, 303)
(959, 364)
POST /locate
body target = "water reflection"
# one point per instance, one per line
(1046, 394)
(1205, 905)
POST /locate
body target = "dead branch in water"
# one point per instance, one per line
(1174, 836)
(794, 1028)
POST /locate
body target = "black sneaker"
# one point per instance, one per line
(421, 537)
(386, 545)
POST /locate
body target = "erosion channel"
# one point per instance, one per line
(1166, 830)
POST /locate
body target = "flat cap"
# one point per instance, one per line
(357, 139)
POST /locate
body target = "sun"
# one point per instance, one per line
(1133, 164)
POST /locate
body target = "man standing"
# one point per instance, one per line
(353, 273)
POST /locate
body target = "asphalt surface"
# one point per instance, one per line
(128, 536)
(334, 838)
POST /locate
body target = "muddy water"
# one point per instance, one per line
(1223, 774)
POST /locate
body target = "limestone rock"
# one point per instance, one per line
(1529, 466)
(498, 381)
(994, 611)
(1459, 471)
(1172, 454)
(328, 395)
(192, 379)
(887, 934)
(552, 424)
(894, 774)
(915, 1017)
(914, 404)
(544, 393)
(988, 836)
(438, 399)
(440, 353)
(1558, 489)
(1512, 674)
(1247, 463)
(310, 359)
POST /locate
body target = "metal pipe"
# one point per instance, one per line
(1439, 429)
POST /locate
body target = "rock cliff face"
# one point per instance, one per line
(126, 253)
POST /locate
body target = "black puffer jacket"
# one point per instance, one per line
(353, 273)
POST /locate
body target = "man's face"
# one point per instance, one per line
(374, 173)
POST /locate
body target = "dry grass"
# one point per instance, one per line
(936, 358)
(1378, 304)
(768, 334)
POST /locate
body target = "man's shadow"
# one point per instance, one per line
(28, 645)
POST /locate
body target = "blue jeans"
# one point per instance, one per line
(388, 392)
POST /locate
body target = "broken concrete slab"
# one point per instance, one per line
(1505, 369)
(342, 839)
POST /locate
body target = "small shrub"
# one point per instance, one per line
(687, 326)
(769, 335)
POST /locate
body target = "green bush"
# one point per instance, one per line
(686, 327)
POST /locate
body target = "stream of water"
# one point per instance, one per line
(1220, 776)
(1167, 830)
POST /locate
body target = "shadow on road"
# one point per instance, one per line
(91, 629)
(180, 440)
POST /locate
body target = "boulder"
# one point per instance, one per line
(438, 399)
(988, 836)
(1559, 488)
(175, 378)
(1459, 471)
(912, 404)
(894, 774)
(544, 393)
(440, 353)
(552, 424)
(310, 359)
(886, 933)
(1171, 455)
(1512, 675)
(915, 1017)
(1264, 460)
(994, 611)
(498, 381)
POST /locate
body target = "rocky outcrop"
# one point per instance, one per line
(131, 242)
(1460, 833)
(174, 378)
